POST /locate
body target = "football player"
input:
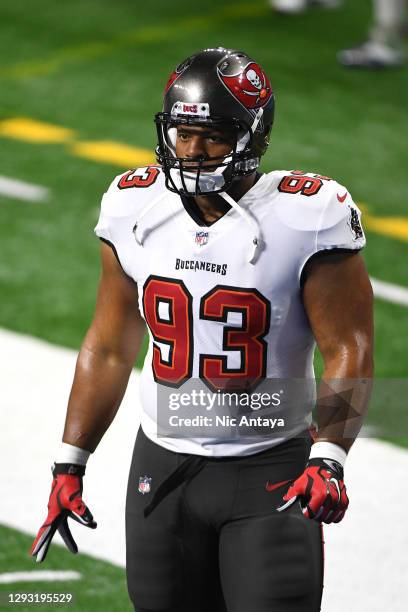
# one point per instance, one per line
(236, 275)
(385, 44)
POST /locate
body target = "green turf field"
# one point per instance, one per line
(98, 68)
(102, 586)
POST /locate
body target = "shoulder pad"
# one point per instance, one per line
(130, 191)
(312, 203)
(128, 194)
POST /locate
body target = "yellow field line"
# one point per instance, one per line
(29, 130)
(394, 227)
(108, 152)
(115, 153)
(148, 34)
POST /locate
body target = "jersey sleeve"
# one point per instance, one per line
(121, 206)
(339, 226)
(115, 207)
(333, 222)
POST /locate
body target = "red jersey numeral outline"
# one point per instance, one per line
(298, 182)
(130, 179)
(177, 332)
(247, 339)
(305, 185)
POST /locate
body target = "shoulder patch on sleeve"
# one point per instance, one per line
(340, 225)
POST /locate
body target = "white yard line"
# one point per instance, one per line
(365, 554)
(38, 576)
(20, 190)
(389, 292)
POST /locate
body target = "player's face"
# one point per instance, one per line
(201, 142)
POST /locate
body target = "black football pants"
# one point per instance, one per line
(216, 543)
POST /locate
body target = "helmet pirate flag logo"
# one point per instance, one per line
(249, 85)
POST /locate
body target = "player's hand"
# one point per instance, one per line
(320, 491)
(65, 502)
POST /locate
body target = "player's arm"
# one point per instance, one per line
(102, 372)
(106, 358)
(338, 300)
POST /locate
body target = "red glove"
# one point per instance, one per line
(320, 490)
(65, 501)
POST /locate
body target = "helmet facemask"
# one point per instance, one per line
(203, 176)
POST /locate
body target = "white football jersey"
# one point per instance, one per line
(223, 304)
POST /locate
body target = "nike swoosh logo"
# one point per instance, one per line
(336, 484)
(342, 198)
(271, 487)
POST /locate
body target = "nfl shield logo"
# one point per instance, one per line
(201, 238)
(144, 484)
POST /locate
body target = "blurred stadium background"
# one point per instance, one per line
(79, 85)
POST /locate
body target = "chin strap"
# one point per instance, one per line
(257, 119)
(141, 234)
(250, 221)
